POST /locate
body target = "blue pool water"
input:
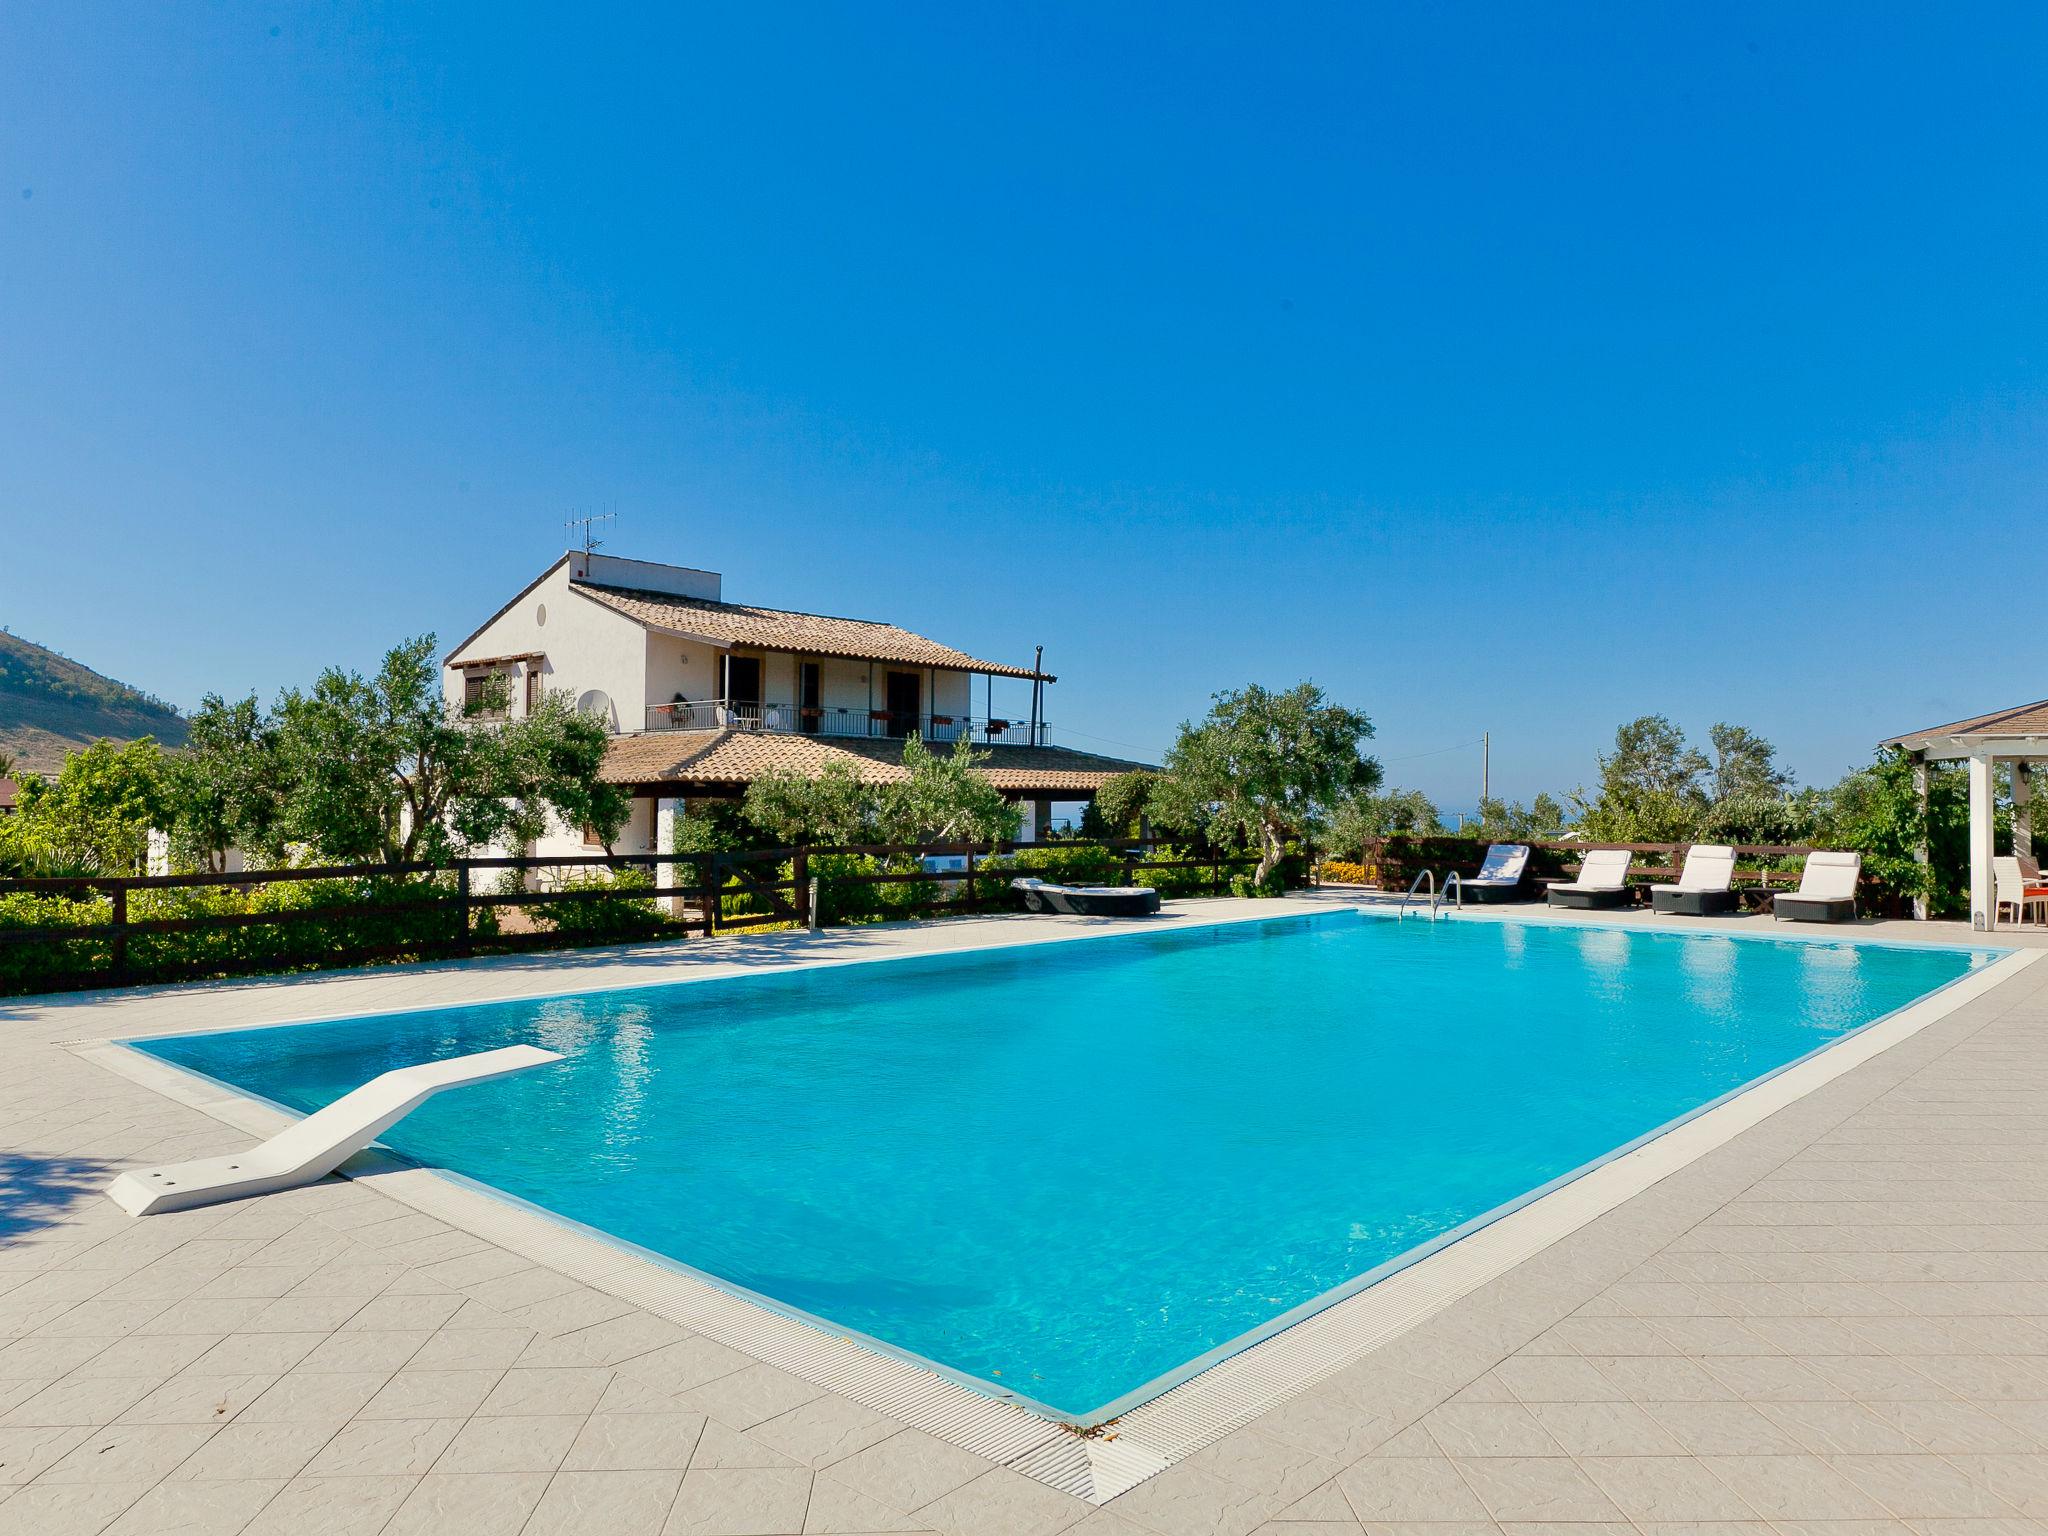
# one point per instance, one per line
(1069, 1170)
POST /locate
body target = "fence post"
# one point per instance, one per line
(800, 877)
(120, 943)
(465, 946)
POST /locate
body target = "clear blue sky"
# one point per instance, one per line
(1521, 369)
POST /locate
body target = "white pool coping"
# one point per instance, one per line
(1237, 1383)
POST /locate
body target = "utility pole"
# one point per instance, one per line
(1037, 691)
(1485, 764)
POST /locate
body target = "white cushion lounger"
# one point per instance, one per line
(1501, 875)
(320, 1143)
(1705, 885)
(1827, 890)
(1602, 881)
(1089, 900)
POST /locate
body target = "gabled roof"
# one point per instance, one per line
(780, 629)
(2020, 720)
(739, 757)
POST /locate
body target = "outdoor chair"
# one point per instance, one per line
(1827, 890)
(1602, 881)
(2017, 894)
(1705, 885)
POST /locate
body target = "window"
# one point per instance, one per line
(479, 687)
(532, 684)
(590, 837)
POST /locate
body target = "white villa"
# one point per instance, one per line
(703, 696)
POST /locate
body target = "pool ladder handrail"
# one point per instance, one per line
(1451, 884)
(1430, 876)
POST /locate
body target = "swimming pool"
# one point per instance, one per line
(1068, 1172)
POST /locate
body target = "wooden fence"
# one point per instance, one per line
(1760, 869)
(87, 931)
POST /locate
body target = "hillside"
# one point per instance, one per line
(50, 705)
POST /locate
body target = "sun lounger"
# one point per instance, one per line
(1500, 876)
(1088, 900)
(1705, 884)
(321, 1142)
(1827, 890)
(1602, 881)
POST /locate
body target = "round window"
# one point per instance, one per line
(540, 616)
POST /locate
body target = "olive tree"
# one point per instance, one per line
(93, 817)
(381, 768)
(226, 786)
(945, 799)
(1266, 767)
(834, 806)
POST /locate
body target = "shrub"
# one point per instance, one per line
(618, 913)
(1056, 863)
(1181, 882)
(1249, 884)
(32, 967)
(334, 929)
(1345, 873)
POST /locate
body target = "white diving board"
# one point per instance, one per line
(321, 1142)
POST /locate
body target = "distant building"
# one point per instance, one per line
(704, 696)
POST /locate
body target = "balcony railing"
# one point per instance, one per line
(794, 719)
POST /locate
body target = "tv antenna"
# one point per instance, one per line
(589, 526)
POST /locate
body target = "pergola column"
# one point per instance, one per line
(1983, 797)
(2023, 809)
(1922, 907)
(668, 811)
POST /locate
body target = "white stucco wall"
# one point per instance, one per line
(585, 646)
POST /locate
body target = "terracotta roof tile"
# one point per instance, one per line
(740, 757)
(778, 629)
(2020, 720)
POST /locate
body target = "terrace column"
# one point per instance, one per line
(1922, 907)
(2023, 809)
(1983, 892)
(668, 811)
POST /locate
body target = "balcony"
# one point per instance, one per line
(870, 724)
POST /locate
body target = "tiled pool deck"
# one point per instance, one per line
(1838, 1321)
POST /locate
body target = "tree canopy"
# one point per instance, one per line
(93, 817)
(1657, 788)
(1267, 767)
(381, 768)
(797, 809)
(943, 800)
(226, 786)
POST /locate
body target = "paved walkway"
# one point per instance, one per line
(1837, 1322)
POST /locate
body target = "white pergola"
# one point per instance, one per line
(2018, 736)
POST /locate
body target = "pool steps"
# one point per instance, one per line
(320, 1143)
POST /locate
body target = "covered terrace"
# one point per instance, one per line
(2017, 737)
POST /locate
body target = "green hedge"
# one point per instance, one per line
(622, 913)
(30, 967)
(843, 897)
(335, 928)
